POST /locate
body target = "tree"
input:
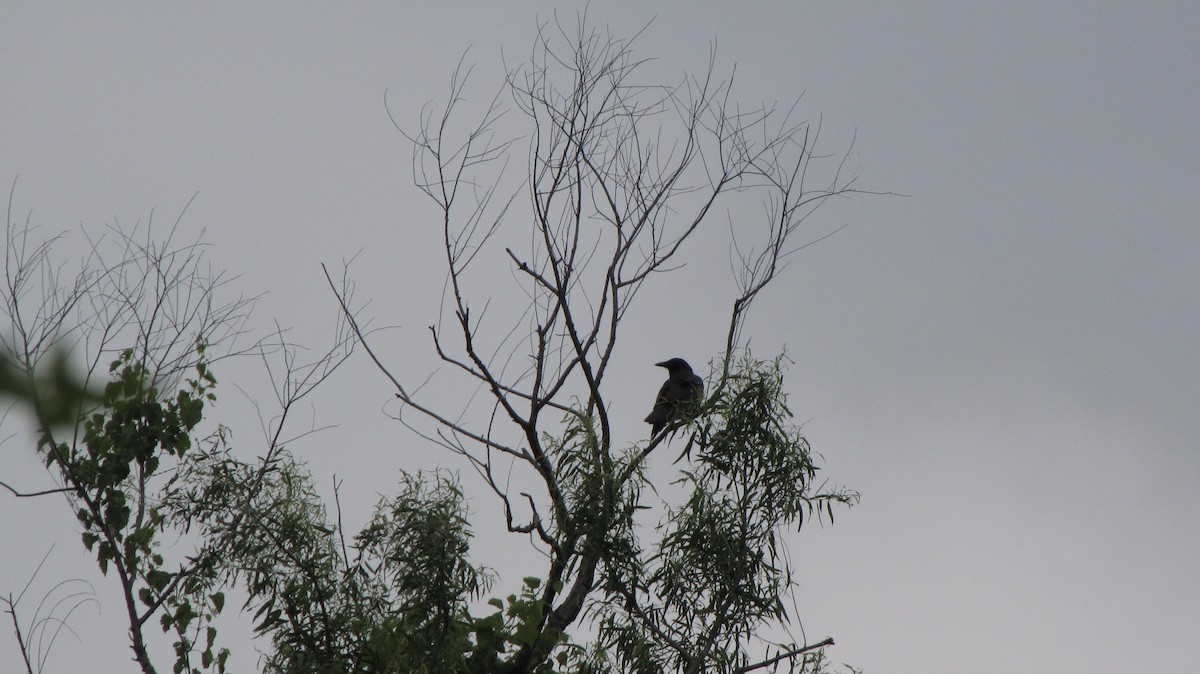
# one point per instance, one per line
(623, 178)
(143, 318)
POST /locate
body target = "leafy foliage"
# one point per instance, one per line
(718, 571)
(398, 603)
(400, 598)
(111, 466)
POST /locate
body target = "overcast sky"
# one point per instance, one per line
(1004, 361)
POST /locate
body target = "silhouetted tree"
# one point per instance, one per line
(620, 176)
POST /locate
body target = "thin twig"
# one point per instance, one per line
(19, 494)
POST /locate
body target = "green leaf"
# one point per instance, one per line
(158, 579)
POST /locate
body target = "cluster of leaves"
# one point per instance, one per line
(56, 395)
(396, 600)
(718, 572)
(111, 468)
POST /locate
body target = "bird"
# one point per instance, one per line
(682, 390)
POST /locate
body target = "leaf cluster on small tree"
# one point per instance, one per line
(143, 318)
(622, 180)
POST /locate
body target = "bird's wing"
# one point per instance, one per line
(677, 390)
(662, 404)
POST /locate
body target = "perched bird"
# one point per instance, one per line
(681, 391)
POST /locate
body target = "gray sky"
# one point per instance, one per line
(1003, 362)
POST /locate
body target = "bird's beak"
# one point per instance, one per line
(662, 364)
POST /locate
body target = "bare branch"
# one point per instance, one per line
(44, 492)
(785, 655)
